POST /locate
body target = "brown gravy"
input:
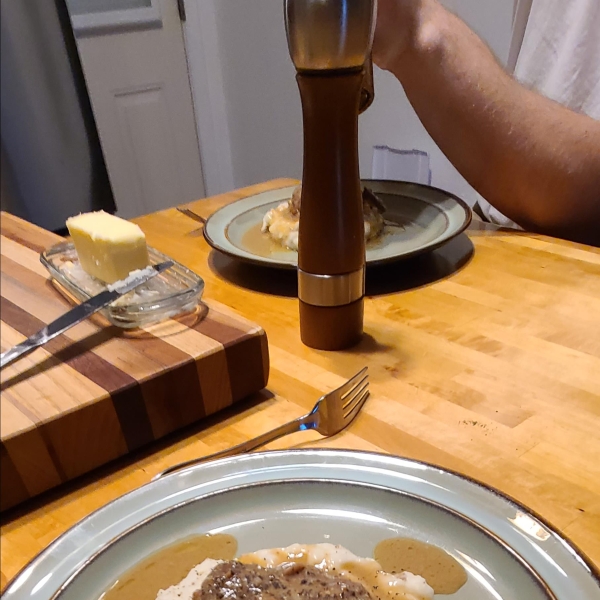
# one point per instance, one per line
(261, 244)
(169, 566)
(441, 571)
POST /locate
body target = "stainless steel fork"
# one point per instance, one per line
(333, 412)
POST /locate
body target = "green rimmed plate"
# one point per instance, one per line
(351, 498)
(427, 217)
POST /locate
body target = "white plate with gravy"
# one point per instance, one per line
(462, 537)
(419, 219)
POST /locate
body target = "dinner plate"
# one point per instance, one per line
(427, 217)
(356, 499)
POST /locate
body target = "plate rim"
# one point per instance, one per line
(274, 264)
(565, 541)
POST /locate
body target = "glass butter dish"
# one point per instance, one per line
(175, 291)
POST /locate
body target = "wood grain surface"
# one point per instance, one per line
(97, 392)
(484, 357)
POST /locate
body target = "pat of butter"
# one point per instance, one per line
(108, 247)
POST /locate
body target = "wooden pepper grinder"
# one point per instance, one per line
(330, 44)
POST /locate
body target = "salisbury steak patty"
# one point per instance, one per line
(235, 581)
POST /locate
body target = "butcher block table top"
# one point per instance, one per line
(484, 358)
(97, 392)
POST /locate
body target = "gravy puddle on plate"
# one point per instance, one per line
(261, 244)
(441, 571)
(169, 566)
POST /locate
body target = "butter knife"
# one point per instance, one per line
(83, 311)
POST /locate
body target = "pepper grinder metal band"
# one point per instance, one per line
(330, 44)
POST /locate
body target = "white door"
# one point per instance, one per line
(135, 66)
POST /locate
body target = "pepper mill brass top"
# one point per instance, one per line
(330, 44)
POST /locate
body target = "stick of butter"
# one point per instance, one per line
(108, 247)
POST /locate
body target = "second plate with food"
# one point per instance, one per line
(420, 218)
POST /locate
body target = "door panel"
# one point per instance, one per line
(136, 72)
(96, 17)
(143, 121)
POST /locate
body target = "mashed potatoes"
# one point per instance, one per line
(335, 560)
(281, 223)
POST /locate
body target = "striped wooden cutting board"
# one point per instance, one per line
(98, 392)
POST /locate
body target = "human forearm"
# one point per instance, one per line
(533, 159)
